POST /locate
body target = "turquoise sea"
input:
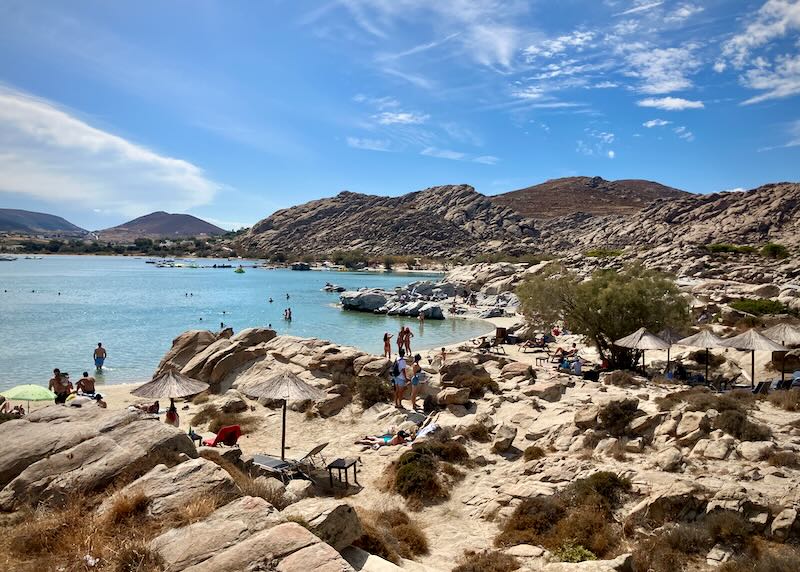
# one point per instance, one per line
(54, 311)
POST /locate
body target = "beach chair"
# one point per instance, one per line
(228, 436)
(287, 469)
(762, 388)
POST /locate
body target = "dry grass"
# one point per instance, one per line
(621, 378)
(533, 452)
(701, 399)
(615, 416)
(784, 459)
(246, 484)
(391, 534)
(487, 561)
(371, 391)
(126, 507)
(476, 432)
(736, 423)
(200, 398)
(216, 419)
(765, 557)
(788, 400)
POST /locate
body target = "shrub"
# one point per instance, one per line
(571, 552)
(774, 250)
(765, 558)
(416, 478)
(725, 248)
(784, 459)
(533, 452)
(736, 424)
(670, 550)
(246, 484)
(701, 399)
(587, 528)
(200, 398)
(391, 534)
(759, 307)
(699, 356)
(531, 521)
(621, 378)
(603, 488)
(727, 527)
(609, 306)
(487, 561)
(788, 400)
(477, 432)
(449, 450)
(371, 391)
(127, 506)
(136, 556)
(616, 415)
(217, 419)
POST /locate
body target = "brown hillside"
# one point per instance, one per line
(161, 225)
(592, 195)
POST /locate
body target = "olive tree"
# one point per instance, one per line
(609, 306)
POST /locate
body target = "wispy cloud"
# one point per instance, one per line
(639, 8)
(683, 12)
(549, 48)
(369, 144)
(401, 118)
(793, 130)
(683, 133)
(662, 70)
(777, 80)
(443, 154)
(486, 160)
(416, 49)
(655, 123)
(670, 103)
(50, 154)
(412, 78)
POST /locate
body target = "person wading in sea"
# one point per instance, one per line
(99, 356)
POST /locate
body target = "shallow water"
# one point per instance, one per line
(136, 310)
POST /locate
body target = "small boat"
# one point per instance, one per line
(239, 270)
(7, 258)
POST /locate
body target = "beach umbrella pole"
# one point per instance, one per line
(752, 369)
(706, 365)
(283, 433)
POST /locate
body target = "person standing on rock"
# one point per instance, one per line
(400, 377)
(407, 340)
(387, 345)
(416, 376)
(401, 338)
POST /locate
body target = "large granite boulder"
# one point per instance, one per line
(184, 348)
(680, 500)
(363, 300)
(58, 450)
(463, 372)
(228, 525)
(503, 438)
(337, 398)
(334, 521)
(169, 489)
(286, 547)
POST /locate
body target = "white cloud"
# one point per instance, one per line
(577, 40)
(683, 12)
(611, 154)
(683, 133)
(662, 70)
(49, 154)
(794, 137)
(734, 190)
(486, 160)
(417, 49)
(369, 144)
(443, 154)
(529, 92)
(380, 103)
(655, 123)
(640, 8)
(414, 79)
(776, 81)
(775, 19)
(401, 118)
(605, 85)
(670, 103)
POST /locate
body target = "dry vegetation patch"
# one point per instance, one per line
(615, 416)
(246, 484)
(736, 424)
(533, 452)
(577, 522)
(702, 399)
(371, 391)
(621, 378)
(217, 419)
(788, 400)
(476, 432)
(486, 561)
(391, 534)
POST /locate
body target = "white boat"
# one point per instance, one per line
(7, 258)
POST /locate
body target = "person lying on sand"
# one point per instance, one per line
(380, 441)
(153, 408)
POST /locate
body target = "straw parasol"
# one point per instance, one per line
(702, 339)
(170, 384)
(671, 337)
(643, 340)
(753, 341)
(28, 392)
(285, 386)
(784, 334)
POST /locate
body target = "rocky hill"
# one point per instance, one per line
(593, 195)
(439, 221)
(28, 222)
(161, 225)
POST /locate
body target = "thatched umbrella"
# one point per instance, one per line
(784, 334)
(702, 339)
(643, 340)
(170, 384)
(753, 341)
(671, 337)
(288, 387)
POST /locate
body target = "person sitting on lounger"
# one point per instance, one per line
(377, 442)
(566, 353)
(152, 408)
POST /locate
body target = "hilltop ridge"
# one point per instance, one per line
(161, 224)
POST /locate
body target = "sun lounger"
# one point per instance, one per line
(228, 436)
(762, 388)
(286, 469)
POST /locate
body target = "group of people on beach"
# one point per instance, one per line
(404, 375)
(61, 385)
(403, 342)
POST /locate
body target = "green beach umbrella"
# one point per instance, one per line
(28, 393)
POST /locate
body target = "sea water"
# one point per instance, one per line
(54, 311)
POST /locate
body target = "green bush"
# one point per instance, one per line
(371, 391)
(759, 307)
(725, 248)
(416, 474)
(736, 424)
(571, 552)
(615, 416)
(774, 250)
(609, 306)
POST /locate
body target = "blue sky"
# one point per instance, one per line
(230, 110)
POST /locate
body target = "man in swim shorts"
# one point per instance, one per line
(58, 385)
(85, 384)
(99, 356)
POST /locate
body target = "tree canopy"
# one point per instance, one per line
(609, 306)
